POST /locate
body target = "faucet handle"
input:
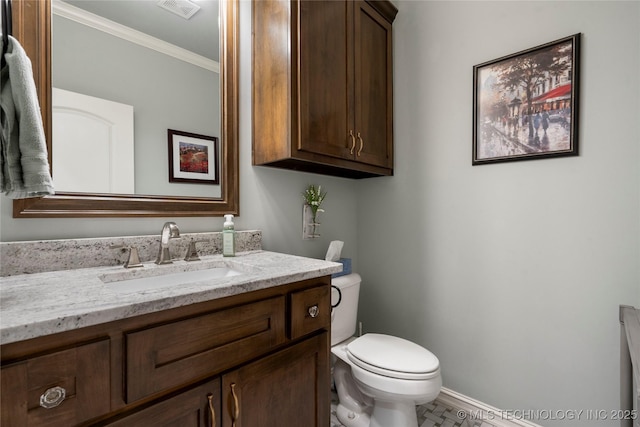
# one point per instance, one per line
(134, 257)
(192, 252)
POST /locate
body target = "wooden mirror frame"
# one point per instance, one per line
(32, 28)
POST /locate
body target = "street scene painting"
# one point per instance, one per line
(192, 158)
(526, 104)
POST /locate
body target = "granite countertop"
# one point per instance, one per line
(34, 305)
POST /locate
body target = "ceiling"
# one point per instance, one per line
(198, 34)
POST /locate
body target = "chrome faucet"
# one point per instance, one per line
(169, 231)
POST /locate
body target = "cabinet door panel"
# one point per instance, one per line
(373, 89)
(82, 371)
(326, 76)
(188, 409)
(289, 388)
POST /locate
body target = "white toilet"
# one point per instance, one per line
(379, 378)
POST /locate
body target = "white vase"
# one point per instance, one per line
(310, 223)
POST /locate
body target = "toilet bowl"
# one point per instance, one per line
(379, 378)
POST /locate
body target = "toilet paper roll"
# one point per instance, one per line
(335, 248)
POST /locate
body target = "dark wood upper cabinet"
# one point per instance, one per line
(323, 86)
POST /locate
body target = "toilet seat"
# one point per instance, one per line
(393, 357)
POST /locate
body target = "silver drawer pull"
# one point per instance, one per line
(52, 397)
(314, 311)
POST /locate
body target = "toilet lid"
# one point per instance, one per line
(392, 356)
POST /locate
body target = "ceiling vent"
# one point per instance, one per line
(182, 8)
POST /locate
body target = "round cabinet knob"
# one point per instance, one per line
(314, 311)
(52, 397)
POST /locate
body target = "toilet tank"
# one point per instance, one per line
(344, 315)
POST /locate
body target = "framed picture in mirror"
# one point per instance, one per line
(193, 158)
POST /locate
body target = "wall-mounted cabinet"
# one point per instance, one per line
(323, 86)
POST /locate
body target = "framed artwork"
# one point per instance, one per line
(193, 158)
(525, 105)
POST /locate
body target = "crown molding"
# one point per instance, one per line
(99, 23)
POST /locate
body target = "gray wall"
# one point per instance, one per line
(510, 273)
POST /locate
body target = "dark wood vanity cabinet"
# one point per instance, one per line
(254, 359)
(323, 86)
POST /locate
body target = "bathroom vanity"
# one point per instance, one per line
(245, 350)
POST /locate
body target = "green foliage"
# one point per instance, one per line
(314, 196)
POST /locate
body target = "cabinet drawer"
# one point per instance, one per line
(82, 372)
(310, 311)
(184, 351)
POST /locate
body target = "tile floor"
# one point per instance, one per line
(434, 414)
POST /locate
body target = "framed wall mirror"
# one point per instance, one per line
(148, 191)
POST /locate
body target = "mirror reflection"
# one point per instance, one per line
(124, 73)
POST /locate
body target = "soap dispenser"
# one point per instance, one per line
(228, 236)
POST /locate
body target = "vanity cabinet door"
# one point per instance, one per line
(63, 388)
(288, 388)
(197, 407)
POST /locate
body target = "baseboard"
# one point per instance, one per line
(476, 410)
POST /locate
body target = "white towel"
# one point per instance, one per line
(24, 164)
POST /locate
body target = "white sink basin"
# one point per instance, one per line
(209, 275)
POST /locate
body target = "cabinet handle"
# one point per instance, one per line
(236, 405)
(52, 397)
(353, 142)
(314, 311)
(361, 144)
(212, 410)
